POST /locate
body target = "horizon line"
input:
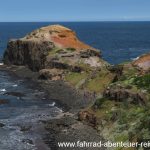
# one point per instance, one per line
(75, 21)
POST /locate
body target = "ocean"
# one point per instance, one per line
(118, 41)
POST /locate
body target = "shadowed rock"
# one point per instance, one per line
(17, 94)
(122, 94)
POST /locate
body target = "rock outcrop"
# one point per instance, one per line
(57, 54)
(87, 117)
(143, 63)
(122, 94)
(28, 52)
(34, 48)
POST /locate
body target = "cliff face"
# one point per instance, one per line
(30, 53)
(58, 54)
(37, 48)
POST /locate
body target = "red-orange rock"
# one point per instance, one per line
(61, 36)
(143, 62)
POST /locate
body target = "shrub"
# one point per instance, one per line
(143, 82)
(99, 102)
(70, 49)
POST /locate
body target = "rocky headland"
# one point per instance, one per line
(57, 54)
(114, 100)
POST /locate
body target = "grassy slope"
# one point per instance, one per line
(86, 81)
(121, 121)
(118, 121)
(91, 79)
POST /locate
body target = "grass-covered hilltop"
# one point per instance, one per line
(120, 95)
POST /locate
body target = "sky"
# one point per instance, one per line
(74, 10)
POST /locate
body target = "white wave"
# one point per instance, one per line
(135, 58)
(58, 110)
(51, 105)
(15, 85)
(2, 90)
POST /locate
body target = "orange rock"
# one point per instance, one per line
(61, 36)
(143, 62)
(66, 38)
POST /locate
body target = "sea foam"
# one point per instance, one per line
(2, 90)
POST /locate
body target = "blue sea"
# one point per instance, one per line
(118, 41)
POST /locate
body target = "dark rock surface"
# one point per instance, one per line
(68, 129)
(27, 52)
(122, 94)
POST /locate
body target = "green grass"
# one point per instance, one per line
(54, 51)
(143, 82)
(100, 82)
(71, 49)
(74, 78)
(122, 137)
(123, 121)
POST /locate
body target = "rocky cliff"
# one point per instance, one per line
(57, 53)
(35, 49)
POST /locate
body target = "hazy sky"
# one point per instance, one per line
(74, 10)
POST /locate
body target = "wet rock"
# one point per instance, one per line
(28, 141)
(2, 125)
(69, 129)
(25, 128)
(4, 101)
(17, 94)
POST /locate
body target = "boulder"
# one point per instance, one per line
(87, 117)
(51, 74)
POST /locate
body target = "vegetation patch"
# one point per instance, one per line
(100, 82)
(143, 82)
(71, 49)
(74, 78)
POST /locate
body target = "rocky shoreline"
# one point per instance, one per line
(66, 127)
